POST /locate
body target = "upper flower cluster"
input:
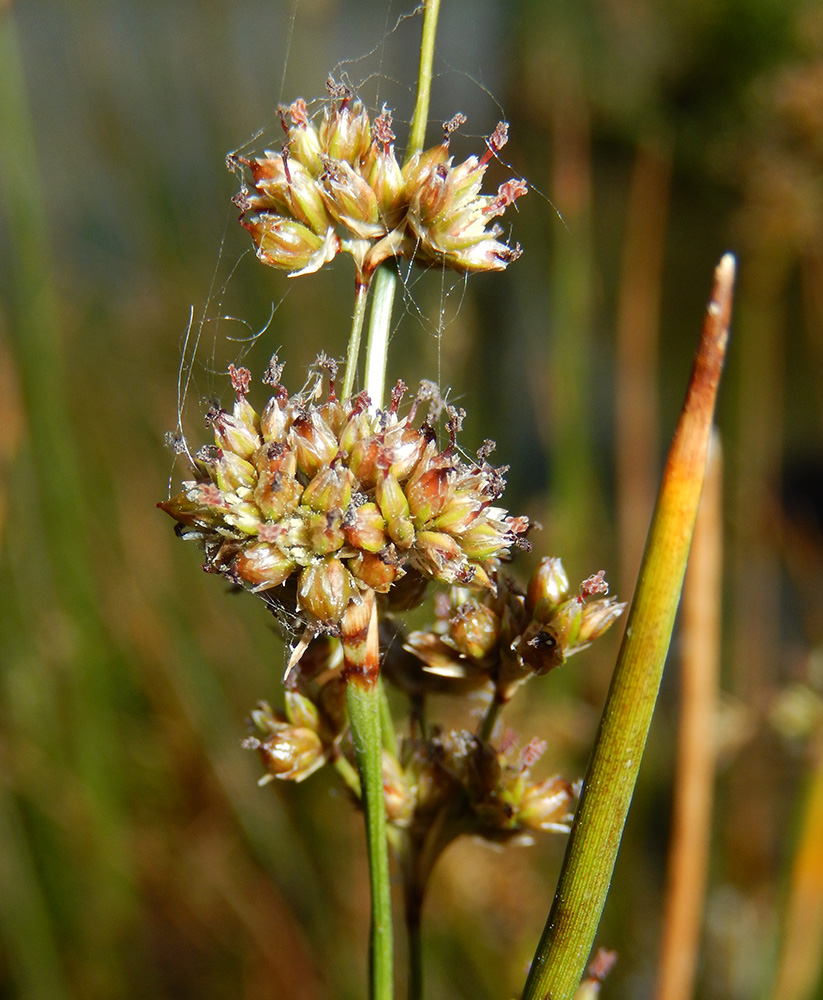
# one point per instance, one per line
(338, 187)
(341, 498)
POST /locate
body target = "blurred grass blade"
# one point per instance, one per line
(612, 773)
(696, 740)
(800, 968)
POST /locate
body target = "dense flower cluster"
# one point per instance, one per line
(454, 783)
(338, 187)
(505, 635)
(341, 498)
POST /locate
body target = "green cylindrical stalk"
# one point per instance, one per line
(377, 349)
(609, 784)
(417, 134)
(361, 670)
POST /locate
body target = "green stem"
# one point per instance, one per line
(361, 296)
(386, 276)
(377, 349)
(607, 791)
(417, 133)
(363, 699)
(361, 670)
(349, 774)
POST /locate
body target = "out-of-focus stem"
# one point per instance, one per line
(700, 664)
(612, 773)
(800, 965)
(636, 337)
(360, 298)
(490, 718)
(361, 665)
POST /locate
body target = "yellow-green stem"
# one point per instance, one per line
(609, 784)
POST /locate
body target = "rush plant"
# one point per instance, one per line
(342, 510)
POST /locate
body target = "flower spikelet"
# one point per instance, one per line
(319, 502)
(338, 187)
(504, 635)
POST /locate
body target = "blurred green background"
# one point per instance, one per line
(138, 857)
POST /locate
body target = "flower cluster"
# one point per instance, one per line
(338, 187)
(455, 783)
(296, 742)
(505, 635)
(341, 498)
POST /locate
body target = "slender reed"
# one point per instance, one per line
(612, 773)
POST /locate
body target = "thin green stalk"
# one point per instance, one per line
(364, 716)
(612, 773)
(377, 349)
(385, 281)
(417, 133)
(361, 296)
(361, 668)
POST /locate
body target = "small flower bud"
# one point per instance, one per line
(275, 422)
(231, 472)
(485, 539)
(424, 163)
(351, 201)
(428, 494)
(395, 509)
(546, 806)
(375, 571)
(199, 504)
(277, 492)
(263, 566)
(345, 132)
(325, 589)
(292, 754)
(548, 588)
(437, 556)
(330, 490)
(290, 245)
(313, 442)
(365, 528)
(459, 513)
(239, 431)
(304, 141)
(301, 711)
(325, 531)
(474, 629)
